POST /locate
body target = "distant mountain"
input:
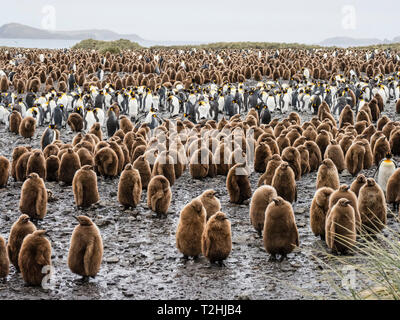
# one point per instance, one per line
(355, 42)
(20, 31)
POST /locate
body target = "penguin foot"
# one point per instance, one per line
(82, 280)
(272, 258)
(322, 237)
(195, 258)
(221, 264)
(283, 256)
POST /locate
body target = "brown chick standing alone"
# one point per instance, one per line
(86, 249)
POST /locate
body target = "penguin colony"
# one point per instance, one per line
(146, 117)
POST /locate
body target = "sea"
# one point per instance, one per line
(38, 43)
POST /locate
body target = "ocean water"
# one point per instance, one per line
(38, 43)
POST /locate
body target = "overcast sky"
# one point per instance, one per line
(217, 20)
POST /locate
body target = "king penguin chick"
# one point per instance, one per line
(33, 201)
(129, 187)
(340, 227)
(280, 233)
(260, 200)
(69, 164)
(393, 190)
(319, 210)
(35, 254)
(284, 182)
(192, 221)
(372, 207)
(238, 183)
(4, 262)
(4, 171)
(159, 195)
(19, 230)
(216, 240)
(345, 192)
(84, 186)
(210, 202)
(86, 249)
(328, 175)
(358, 183)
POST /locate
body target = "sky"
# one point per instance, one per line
(307, 21)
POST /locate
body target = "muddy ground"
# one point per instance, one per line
(140, 258)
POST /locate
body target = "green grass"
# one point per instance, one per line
(113, 47)
(242, 45)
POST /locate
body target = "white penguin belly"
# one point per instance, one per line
(385, 172)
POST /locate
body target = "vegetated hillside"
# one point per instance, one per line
(107, 46)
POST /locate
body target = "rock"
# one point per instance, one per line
(128, 293)
(113, 259)
(300, 210)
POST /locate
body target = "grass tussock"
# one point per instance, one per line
(113, 47)
(371, 272)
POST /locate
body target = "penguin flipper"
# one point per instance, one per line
(88, 257)
(206, 245)
(154, 199)
(78, 193)
(39, 200)
(40, 258)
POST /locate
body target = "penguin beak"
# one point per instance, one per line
(76, 217)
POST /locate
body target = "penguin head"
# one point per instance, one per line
(278, 201)
(371, 182)
(83, 220)
(87, 167)
(210, 193)
(344, 202)
(33, 176)
(40, 233)
(220, 216)
(388, 159)
(23, 218)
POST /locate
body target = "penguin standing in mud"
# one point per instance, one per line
(89, 119)
(71, 81)
(49, 136)
(112, 123)
(58, 115)
(385, 170)
(152, 119)
(265, 116)
(232, 108)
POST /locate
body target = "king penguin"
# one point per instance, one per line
(49, 136)
(385, 170)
